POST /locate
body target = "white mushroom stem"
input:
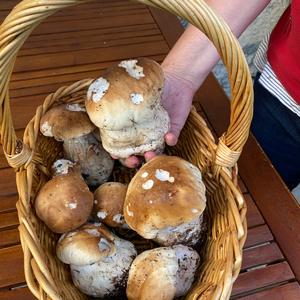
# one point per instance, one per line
(96, 164)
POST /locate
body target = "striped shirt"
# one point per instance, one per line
(269, 80)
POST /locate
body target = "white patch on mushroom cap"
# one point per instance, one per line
(103, 245)
(93, 232)
(148, 184)
(102, 214)
(75, 107)
(132, 68)
(61, 166)
(46, 129)
(145, 174)
(195, 211)
(129, 213)
(118, 218)
(98, 89)
(136, 98)
(71, 205)
(163, 175)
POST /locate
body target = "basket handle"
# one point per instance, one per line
(28, 14)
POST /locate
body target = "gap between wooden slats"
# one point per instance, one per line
(17, 293)
(262, 278)
(289, 291)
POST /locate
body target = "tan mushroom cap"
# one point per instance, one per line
(166, 191)
(109, 202)
(64, 203)
(87, 245)
(125, 93)
(64, 123)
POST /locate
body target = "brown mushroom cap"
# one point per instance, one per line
(109, 201)
(64, 122)
(162, 273)
(87, 245)
(125, 93)
(166, 192)
(64, 203)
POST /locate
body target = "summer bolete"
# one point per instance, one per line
(163, 273)
(125, 103)
(70, 123)
(99, 260)
(64, 202)
(165, 201)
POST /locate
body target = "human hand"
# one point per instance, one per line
(177, 100)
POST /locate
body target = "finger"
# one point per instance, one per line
(171, 139)
(132, 162)
(149, 155)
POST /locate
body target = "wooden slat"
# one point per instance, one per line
(254, 217)
(11, 262)
(258, 235)
(100, 35)
(22, 293)
(8, 219)
(55, 60)
(290, 291)
(260, 278)
(7, 186)
(279, 207)
(70, 70)
(9, 237)
(8, 203)
(242, 185)
(91, 44)
(77, 25)
(261, 255)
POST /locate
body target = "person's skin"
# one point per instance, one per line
(190, 61)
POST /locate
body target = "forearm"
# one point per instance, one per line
(194, 56)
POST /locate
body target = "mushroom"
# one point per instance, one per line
(165, 201)
(109, 200)
(99, 260)
(125, 103)
(162, 273)
(70, 123)
(64, 202)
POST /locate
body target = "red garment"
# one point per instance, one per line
(284, 50)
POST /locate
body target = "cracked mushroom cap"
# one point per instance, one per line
(165, 201)
(109, 201)
(86, 245)
(125, 104)
(66, 121)
(64, 202)
(99, 260)
(162, 273)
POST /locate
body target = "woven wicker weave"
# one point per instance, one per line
(46, 277)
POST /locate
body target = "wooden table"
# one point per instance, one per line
(82, 41)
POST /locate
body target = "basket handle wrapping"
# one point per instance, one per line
(27, 15)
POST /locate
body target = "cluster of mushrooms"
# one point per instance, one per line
(163, 202)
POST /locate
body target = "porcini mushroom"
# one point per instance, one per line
(125, 103)
(109, 201)
(70, 123)
(64, 202)
(163, 273)
(99, 260)
(165, 201)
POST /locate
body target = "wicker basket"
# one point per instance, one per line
(31, 158)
